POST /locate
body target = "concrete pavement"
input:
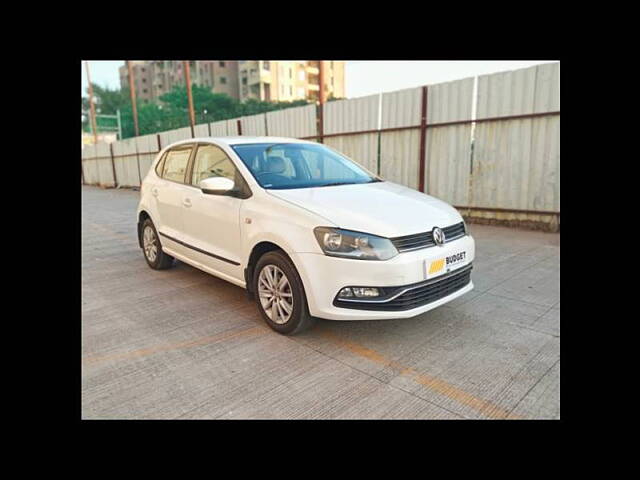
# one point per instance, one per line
(183, 344)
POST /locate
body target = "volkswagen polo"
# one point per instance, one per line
(308, 232)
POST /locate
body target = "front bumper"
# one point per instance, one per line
(323, 277)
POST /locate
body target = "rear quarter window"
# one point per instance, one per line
(160, 165)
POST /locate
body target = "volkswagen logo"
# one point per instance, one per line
(438, 236)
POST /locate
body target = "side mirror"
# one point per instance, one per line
(216, 185)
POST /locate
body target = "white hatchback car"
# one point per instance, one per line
(308, 232)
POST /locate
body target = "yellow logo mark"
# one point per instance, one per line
(436, 266)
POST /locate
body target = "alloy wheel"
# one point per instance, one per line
(275, 294)
(150, 244)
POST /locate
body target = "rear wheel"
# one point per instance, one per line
(280, 294)
(153, 254)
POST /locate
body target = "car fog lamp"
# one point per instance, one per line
(345, 293)
(365, 292)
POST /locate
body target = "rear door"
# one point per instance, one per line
(212, 222)
(170, 191)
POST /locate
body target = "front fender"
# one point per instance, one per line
(265, 218)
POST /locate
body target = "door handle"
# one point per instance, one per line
(186, 202)
(154, 192)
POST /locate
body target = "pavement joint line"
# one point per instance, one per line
(435, 384)
(149, 379)
(518, 272)
(152, 378)
(522, 369)
(116, 302)
(200, 405)
(300, 374)
(143, 352)
(381, 381)
(151, 334)
(514, 300)
(519, 325)
(534, 385)
(526, 327)
(546, 311)
(232, 304)
(111, 233)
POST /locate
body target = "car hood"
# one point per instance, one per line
(381, 208)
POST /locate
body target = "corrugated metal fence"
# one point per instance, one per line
(500, 166)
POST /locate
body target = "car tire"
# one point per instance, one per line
(288, 298)
(152, 248)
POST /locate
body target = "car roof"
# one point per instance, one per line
(239, 140)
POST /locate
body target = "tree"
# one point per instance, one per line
(106, 102)
(254, 107)
(173, 110)
(219, 106)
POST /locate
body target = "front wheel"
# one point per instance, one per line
(280, 294)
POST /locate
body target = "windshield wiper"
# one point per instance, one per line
(337, 183)
(348, 183)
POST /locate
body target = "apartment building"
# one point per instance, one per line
(219, 75)
(284, 81)
(153, 78)
(142, 77)
(266, 80)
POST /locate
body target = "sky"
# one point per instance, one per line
(363, 77)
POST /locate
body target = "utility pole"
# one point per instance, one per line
(91, 107)
(321, 80)
(187, 79)
(320, 108)
(132, 91)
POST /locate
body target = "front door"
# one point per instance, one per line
(212, 222)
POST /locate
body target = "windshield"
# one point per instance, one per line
(299, 165)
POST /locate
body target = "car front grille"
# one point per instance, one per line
(425, 239)
(413, 296)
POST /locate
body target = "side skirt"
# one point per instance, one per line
(204, 268)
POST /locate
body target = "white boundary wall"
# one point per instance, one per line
(358, 114)
(448, 148)
(125, 159)
(517, 162)
(147, 150)
(297, 122)
(400, 150)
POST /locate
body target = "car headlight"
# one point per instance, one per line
(336, 242)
